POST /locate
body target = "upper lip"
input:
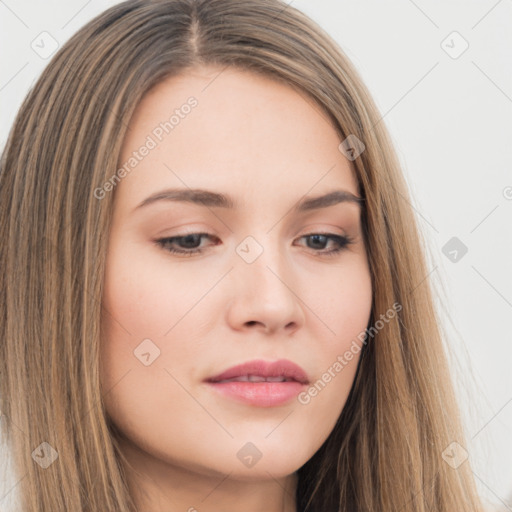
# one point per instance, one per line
(280, 368)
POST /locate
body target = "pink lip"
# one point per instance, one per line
(262, 394)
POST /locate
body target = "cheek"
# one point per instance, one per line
(143, 296)
(131, 296)
(345, 303)
(145, 300)
(131, 312)
(137, 308)
(344, 308)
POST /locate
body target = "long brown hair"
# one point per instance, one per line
(385, 452)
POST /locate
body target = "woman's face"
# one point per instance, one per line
(263, 286)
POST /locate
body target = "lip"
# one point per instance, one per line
(261, 394)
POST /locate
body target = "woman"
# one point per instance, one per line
(294, 361)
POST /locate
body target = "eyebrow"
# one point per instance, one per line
(217, 200)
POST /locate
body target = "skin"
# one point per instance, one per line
(267, 146)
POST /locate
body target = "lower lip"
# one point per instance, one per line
(261, 394)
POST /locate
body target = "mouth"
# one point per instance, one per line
(261, 383)
(254, 378)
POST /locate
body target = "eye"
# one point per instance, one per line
(322, 239)
(190, 243)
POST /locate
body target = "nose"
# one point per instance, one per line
(265, 296)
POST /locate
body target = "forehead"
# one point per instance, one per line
(213, 127)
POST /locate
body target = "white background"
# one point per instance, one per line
(451, 122)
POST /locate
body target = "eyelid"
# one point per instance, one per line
(342, 241)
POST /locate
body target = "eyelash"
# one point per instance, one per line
(342, 241)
